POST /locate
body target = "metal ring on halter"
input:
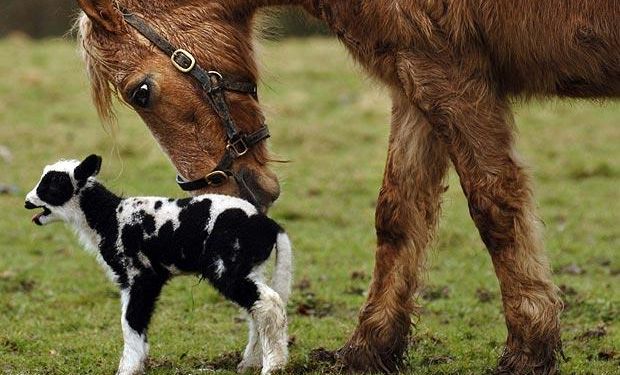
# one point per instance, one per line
(216, 73)
(217, 178)
(216, 83)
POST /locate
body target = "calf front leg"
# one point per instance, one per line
(137, 303)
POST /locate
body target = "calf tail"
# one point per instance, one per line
(282, 276)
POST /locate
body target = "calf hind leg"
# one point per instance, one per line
(268, 323)
(269, 315)
(253, 354)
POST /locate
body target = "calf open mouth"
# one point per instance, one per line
(37, 217)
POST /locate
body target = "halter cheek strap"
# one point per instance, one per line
(214, 85)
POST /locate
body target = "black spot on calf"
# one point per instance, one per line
(55, 188)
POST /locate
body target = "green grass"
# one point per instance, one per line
(60, 315)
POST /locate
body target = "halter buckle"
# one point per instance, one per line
(238, 146)
(183, 60)
(216, 178)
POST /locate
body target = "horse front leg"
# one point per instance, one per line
(406, 217)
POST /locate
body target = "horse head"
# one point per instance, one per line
(177, 108)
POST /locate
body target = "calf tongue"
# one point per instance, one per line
(36, 217)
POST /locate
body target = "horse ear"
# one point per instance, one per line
(88, 168)
(104, 13)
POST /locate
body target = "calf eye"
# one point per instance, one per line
(141, 96)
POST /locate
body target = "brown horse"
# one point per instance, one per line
(452, 68)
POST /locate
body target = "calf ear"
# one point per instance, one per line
(88, 168)
(103, 13)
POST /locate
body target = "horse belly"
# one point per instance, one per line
(566, 48)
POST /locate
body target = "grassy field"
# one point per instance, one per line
(60, 315)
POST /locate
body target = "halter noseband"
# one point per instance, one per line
(214, 84)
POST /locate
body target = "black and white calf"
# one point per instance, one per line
(143, 242)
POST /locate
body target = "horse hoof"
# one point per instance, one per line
(521, 363)
(364, 359)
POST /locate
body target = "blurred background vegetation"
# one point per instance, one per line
(45, 18)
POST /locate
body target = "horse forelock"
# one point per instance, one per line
(102, 89)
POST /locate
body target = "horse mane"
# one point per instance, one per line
(101, 87)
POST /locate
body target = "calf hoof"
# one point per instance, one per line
(273, 368)
(244, 367)
(131, 369)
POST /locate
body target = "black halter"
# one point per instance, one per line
(213, 84)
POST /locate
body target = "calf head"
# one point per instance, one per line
(57, 190)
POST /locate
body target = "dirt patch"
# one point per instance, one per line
(437, 360)
(355, 290)
(310, 305)
(359, 275)
(225, 361)
(568, 290)
(319, 360)
(323, 355)
(607, 355)
(432, 293)
(571, 269)
(228, 360)
(10, 282)
(9, 345)
(599, 331)
(484, 295)
(303, 284)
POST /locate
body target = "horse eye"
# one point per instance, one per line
(141, 96)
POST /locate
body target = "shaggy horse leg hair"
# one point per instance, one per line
(407, 212)
(500, 203)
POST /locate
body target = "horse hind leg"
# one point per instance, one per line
(505, 217)
(476, 124)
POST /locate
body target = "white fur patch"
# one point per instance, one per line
(219, 267)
